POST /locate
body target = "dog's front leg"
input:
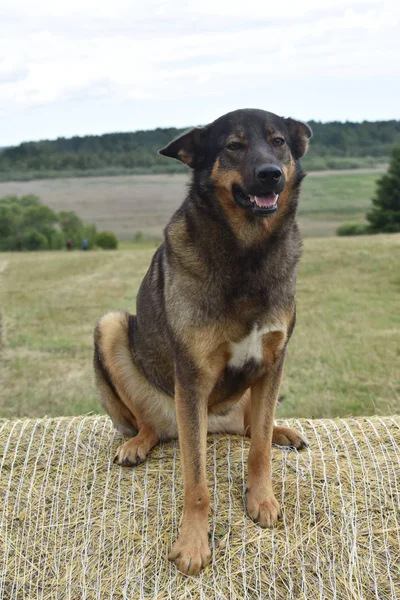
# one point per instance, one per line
(262, 505)
(191, 551)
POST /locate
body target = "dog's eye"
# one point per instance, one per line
(278, 141)
(234, 146)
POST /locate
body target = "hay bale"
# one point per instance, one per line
(73, 525)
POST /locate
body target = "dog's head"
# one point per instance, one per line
(250, 154)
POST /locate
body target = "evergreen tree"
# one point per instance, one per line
(385, 215)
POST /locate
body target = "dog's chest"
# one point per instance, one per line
(250, 348)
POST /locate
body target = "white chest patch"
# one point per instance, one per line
(250, 348)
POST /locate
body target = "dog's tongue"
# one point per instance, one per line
(266, 201)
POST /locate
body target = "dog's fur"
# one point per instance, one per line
(215, 312)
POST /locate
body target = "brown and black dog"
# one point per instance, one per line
(215, 312)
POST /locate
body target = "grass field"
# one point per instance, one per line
(128, 204)
(342, 359)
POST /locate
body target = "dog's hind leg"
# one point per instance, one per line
(142, 439)
(237, 421)
(121, 388)
(122, 418)
(281, 436)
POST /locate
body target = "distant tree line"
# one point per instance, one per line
(369, 138)
(27, 224)
(333, 145)
(136, 150)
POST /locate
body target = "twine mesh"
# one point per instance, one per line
(75, 526)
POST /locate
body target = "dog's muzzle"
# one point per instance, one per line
(265, 205)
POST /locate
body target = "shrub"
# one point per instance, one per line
(27, 224)
(107, 240)
(90, 233)
(34, 240)
(72, 227)
(56, 240)
(353, 229)
(138, 237)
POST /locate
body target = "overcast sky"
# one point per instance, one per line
(75, 67)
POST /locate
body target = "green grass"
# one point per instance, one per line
(331, 200)
(343, 358)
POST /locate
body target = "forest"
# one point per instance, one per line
(334, 145)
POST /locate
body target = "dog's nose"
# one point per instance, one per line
(268, 174)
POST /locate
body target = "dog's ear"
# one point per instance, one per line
(186, 147)
(300, 134)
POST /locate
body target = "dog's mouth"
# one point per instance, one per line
(264, 205)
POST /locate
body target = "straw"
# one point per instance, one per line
(73, 525)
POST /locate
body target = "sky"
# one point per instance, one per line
(77, 67)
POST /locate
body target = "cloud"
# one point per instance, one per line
(58, 52)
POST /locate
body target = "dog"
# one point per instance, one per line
(215, 312)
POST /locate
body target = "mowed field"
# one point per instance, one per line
(129, 204)
(343, 358)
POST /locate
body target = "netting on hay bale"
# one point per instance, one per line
(73, 525)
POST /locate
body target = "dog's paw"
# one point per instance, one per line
(263, 508)
(288, 437)
(131, 454)
(191, 552)
(135, 450)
